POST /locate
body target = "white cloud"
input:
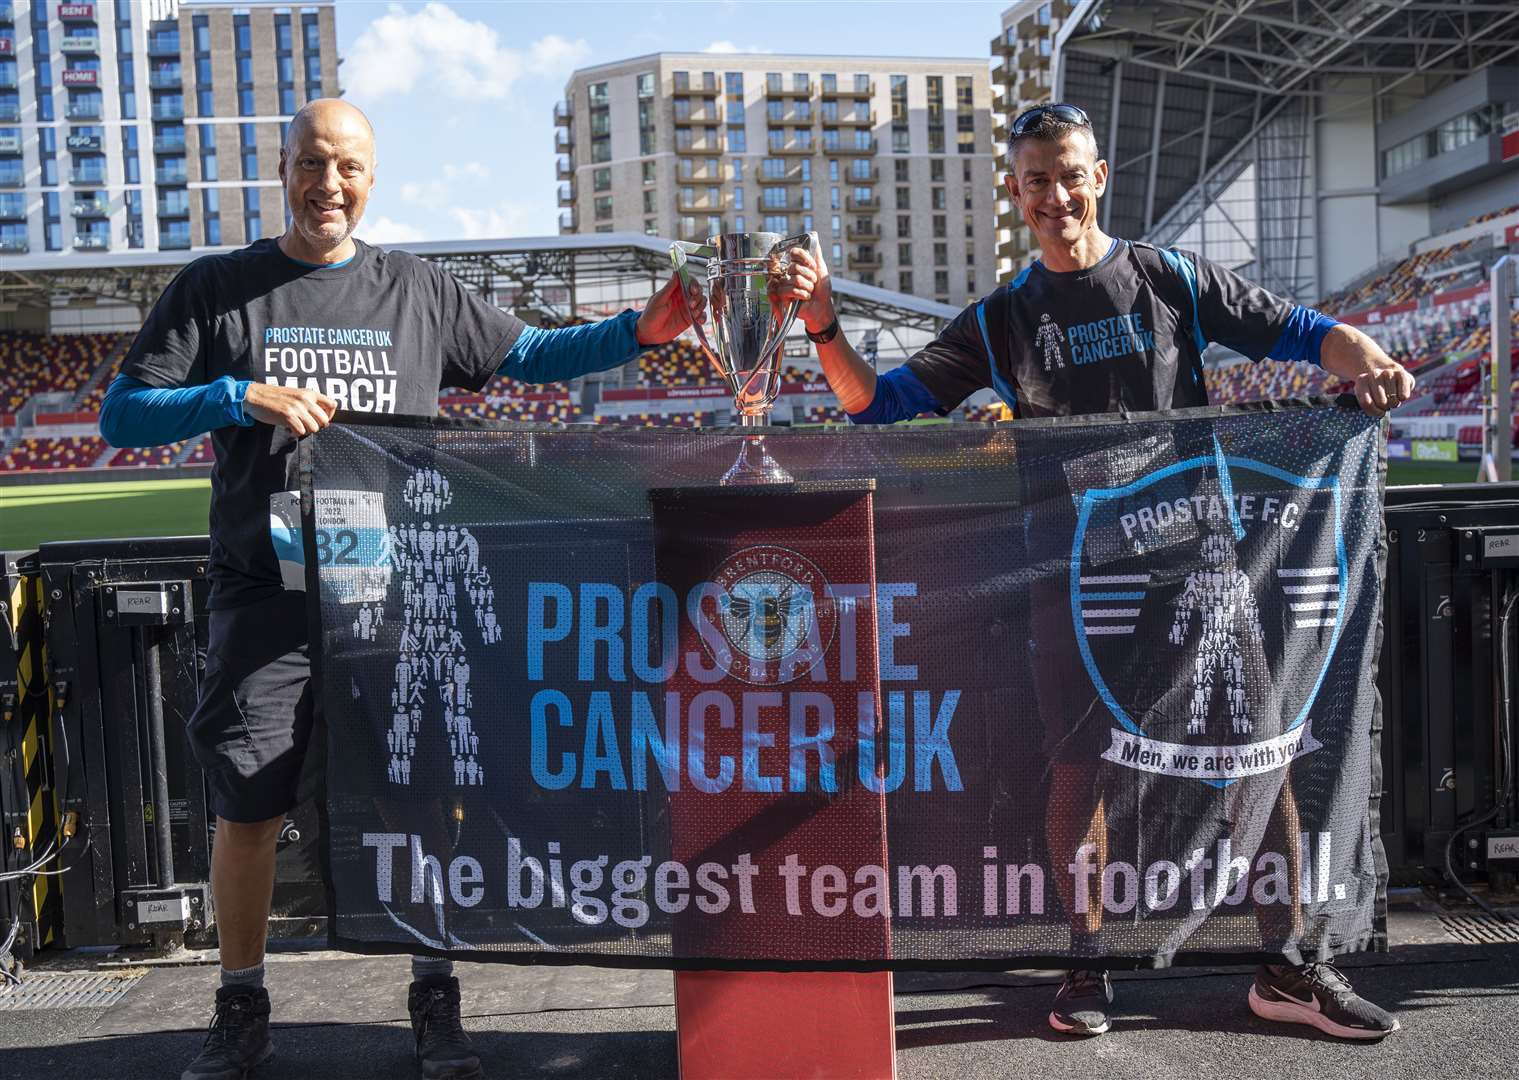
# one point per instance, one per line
(450, 203)
(441, 192)
(726, 46)
(437, 49)
(385, 231)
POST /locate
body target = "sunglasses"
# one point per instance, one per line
(1066, 114)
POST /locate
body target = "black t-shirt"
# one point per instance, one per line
(1125, 335)
(383, 332)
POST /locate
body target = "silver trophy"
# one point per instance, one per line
(747, 331)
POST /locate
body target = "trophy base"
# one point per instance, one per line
(755, 465)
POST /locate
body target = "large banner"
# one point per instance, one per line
(960, 696)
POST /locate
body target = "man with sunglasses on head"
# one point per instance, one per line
(1043, 343)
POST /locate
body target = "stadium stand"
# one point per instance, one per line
(202, 454)
(69, 452)
(134, 457)
(1415, 277)
(32, 364)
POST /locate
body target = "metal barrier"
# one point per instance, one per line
(109, 637)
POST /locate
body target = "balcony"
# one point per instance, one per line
(564, 169)
(1035, 88)
(793, 119)
(791, 150)
(84, 144)
(567, 194)
(166, 78)
(567, 221)
(91, 208)
(173, 208)
(704, 147)
(7, 11)
(786, 90)
(706, 115)
(563, 114)
(170, 176)
(870, 146)
(168, 110)
(865, 90)
(1000, 46)
(169, 144)
(10, 113)
(564, 142)
(87, 178)
(868, 175)
(792, 204)
(76, 13)
(9, 80)
(857, 119)
(15, 244)
(10, 144)
(871, 205)
(792, 175)
(173, 243)
(1031, 59)
(12, 178)
(704, 91)
(698, 204)
(863, 231)
(864, 259)
(13, 208)
(79, 44)
(701, 172)
(164, 46)
(91, 242)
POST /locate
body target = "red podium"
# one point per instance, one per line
(790, 640)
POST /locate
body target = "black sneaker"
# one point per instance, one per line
(1319, 996)
(1082, 1003)
(238, 1041)
(443, 1049)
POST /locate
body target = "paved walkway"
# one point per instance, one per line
(343, 1018)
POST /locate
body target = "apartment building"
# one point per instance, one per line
(151, 124)
(889, 159)
(1020, 80)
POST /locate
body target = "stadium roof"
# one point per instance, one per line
(552, 273)
(1275, 46)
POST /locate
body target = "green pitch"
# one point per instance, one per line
(32, 515)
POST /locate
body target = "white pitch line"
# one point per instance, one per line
(1110, 630)
(1116, 579)
(1316, 605)
(1315, 622)
(1110, 612)
(1312, 571)
(1303, 590)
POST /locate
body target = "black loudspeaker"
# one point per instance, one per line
(126, 631)
(1448, 743)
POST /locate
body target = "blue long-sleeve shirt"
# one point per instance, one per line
(902, 395)
(136, 414)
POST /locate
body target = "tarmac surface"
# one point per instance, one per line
(340, 1017)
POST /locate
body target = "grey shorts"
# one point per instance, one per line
(252, 727)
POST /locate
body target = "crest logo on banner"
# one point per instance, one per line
(1204, 566)
(776, 615)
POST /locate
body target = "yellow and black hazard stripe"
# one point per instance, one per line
(32, 707)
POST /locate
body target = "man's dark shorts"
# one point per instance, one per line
(253, 724)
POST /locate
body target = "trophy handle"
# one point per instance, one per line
(680, 253)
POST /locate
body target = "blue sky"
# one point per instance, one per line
(461, 93)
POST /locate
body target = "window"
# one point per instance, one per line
(965, 142)
(939, 227)
(311, 33)
(245, 106)
(599, 97)
(937, 198)
(253, 225)
(777, 224)
(648, 203)
(650, 172)
(837, 254)
(830, 84)
(603, 205)
(646, 85)
(211, 215)
(970, 226)
(733, 81)
(900, 140)
(941, 282)
(904, 225)
(601, 150)
(904, 281)
(738, 198)
(904, 254)
(904, 198)
(248, 145)
(775, 110)
(601, 180)
(800, 82)
(773, 83)
(245, 71)
(965, 171)
(833, 169)
(737, 142)
(941, 254)
(936, 140)
(964, 93)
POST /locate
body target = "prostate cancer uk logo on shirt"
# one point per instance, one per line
(1208, 599)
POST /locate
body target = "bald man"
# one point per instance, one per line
(260, 346)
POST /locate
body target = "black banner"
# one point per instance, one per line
(960, 696)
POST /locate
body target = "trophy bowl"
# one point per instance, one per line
(742, 330)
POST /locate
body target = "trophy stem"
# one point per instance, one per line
(754, 419)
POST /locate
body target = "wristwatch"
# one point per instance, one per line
(827, 334)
